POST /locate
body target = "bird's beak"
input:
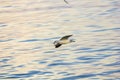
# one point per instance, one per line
(72, 40)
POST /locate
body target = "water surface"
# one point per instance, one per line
(28, 29)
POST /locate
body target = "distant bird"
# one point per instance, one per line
(63, 40)
(66, 1)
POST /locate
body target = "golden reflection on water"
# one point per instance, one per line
(28, 29)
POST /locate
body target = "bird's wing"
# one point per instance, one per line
(65, 37)
(65, 1)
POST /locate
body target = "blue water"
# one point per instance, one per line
(29, 28)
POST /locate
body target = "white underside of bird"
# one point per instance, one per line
(63, 40)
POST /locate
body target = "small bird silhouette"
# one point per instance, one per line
(66, 1)
(63, 40)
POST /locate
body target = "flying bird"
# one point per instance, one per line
(63, 40)
(66, 1)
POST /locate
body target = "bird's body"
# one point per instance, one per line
(63, 40)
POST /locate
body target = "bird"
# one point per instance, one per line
(66, 1)
(63, 40)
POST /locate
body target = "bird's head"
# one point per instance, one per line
(55, 42)
(72, 40)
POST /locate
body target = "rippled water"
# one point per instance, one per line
(28, 29)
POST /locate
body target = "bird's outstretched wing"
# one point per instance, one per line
(65, 1)
(65, 37)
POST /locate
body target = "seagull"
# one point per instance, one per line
(63, 40)
(65, 1)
